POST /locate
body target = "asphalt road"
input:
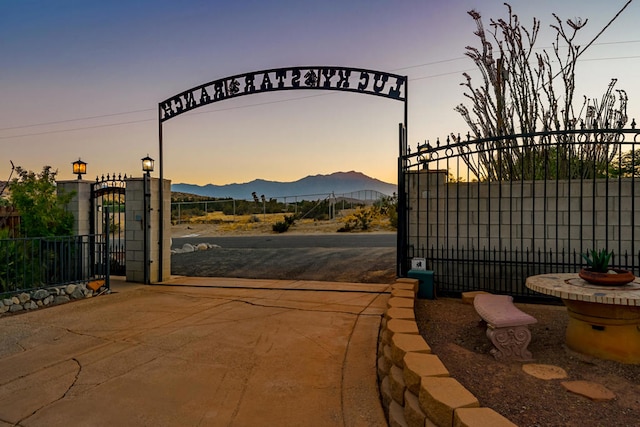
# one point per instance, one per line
(358, 258)
(281, 241)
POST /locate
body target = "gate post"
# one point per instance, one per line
(143, 259)
(80, 205)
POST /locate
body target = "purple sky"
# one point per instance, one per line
(83, 79)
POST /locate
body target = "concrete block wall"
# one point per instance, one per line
(415, 386)
(525, 215)
(80, 206)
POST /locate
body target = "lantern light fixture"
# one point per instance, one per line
(147, 164)
(79, 168)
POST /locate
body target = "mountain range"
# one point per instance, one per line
(338, 183)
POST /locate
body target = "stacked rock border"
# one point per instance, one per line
(188, 248)
(415, 386)
(40, 298)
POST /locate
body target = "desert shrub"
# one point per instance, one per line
(393, 218)
(388, 206)
(280, 226)
(361, 219)
(347, 227)
(364, 217)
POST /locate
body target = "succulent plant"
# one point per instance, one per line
(599, 260)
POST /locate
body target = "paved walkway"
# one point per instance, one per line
(197, 352)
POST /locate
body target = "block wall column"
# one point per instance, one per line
(135, 235)
(134, 230)
(80, 205)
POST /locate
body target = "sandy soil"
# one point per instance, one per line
(243, 227)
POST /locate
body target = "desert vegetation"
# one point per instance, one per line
(270, 215)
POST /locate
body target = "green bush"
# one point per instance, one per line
(20, 265)
(280, 226)
(41, 206)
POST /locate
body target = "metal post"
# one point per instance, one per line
(161, 201)
(401, 256)
(107, 243)
(146, 224)
(403, 226)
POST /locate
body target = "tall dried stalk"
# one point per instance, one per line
(522, 92)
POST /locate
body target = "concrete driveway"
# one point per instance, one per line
(197, 352)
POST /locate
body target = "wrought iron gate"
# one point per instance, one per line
(486, 214)
(108, 218)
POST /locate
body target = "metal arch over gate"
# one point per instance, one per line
(357, 80)
(345, 79)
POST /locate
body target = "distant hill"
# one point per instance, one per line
(337, 183)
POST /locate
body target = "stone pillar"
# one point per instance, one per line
(80, 205)
(135, 233)
(134, 229)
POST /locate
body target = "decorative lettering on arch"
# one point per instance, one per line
(356, 80)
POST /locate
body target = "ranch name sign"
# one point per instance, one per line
(346, 79)
(328, 78)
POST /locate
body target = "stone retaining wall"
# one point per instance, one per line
(45, 297)
(415, 386)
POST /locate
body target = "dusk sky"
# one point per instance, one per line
(83, 78)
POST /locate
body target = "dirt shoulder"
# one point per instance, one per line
(263, 225)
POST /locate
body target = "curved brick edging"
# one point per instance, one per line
(415, 386)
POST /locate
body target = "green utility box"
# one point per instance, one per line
(426, 289)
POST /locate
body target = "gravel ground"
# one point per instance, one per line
(454, 333)
(360, 265)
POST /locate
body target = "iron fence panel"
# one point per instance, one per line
(485, 214)
(33, 263)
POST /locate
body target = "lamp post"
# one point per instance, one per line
(147, 168)
(79, 168)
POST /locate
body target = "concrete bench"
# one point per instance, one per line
(507, 326)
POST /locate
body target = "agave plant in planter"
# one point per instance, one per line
(599, 273)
